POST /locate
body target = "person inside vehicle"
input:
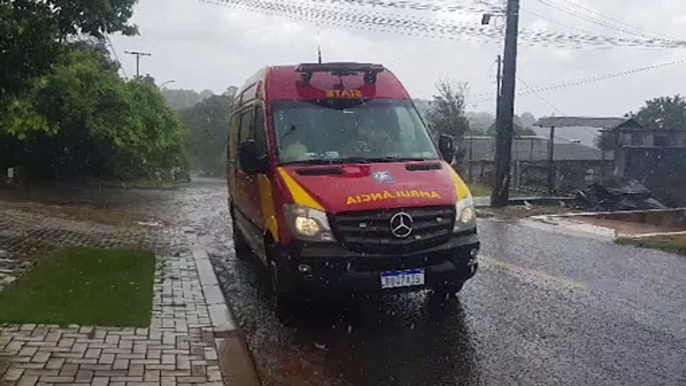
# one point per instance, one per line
(293, 146)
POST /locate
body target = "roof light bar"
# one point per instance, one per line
(341, 69)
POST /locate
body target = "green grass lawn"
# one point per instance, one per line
(84, 286)
(479, 190)
(671, 244)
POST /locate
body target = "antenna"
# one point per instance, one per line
(319, 45)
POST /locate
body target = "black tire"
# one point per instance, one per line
(285, 295)
(240, 243)
(448, 290)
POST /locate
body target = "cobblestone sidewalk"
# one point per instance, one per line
(179, 348)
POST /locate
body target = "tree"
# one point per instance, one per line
(663, 113)
(64, 111)
(447, 110)
(184, 99)
(33, 32)
(208, 125)
(82, 120)
(93, 18)
(28, 45)
(528, 120)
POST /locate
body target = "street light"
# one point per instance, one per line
(167, 82)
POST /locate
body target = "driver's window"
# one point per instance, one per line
(245, 133)
(259, 134)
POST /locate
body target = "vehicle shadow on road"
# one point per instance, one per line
(409, 339)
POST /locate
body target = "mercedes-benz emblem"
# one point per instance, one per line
(401, 225)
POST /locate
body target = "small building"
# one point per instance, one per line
(638, 136)
(654, 157)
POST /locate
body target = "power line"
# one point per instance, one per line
(558, 22)
(546, 101)
(582, 81)
(114, 52)
(539, 95)
(637, 28)
(600, 22)
(432, 28)
(405, 5)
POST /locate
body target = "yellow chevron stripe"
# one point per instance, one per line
(460, 187)
(300, 196)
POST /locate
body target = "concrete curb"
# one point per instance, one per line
(235, 358)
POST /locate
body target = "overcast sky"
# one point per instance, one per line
(207, 46)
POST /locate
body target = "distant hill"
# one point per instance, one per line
(480, 122)
(184, 99)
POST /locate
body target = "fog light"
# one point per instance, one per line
(304, 268)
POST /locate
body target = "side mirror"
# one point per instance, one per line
(249, 159)
(446, 145)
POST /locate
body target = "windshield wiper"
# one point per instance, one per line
(320, 161)
(355, 160)
(398, 159)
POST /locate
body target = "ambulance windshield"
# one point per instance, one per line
(340, 131)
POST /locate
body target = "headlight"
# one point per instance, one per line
(308, 224)
(465, 214)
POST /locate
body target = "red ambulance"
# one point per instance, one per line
(335, 184)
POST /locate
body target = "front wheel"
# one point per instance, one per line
(448, 290)
(284, 294)
(240, 243)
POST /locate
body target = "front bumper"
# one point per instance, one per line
(331, 267)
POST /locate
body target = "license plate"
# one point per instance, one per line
(401, 279)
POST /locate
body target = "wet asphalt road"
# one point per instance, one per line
(545, 309)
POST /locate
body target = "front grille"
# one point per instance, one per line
(385, 264)
(370, 232)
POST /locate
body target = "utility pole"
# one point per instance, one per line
(138, 60)
(505, 129)
(551, 162)
(499, 92)
(500, 80)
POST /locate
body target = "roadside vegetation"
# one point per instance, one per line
(84, 286)
(480, 190)
(65, 113)
(208, 126)
(671, 244)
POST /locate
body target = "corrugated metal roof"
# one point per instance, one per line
(604, 123)
(532, 149)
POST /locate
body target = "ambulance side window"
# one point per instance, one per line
(233, 137)
(259, 134)
(245, 132)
